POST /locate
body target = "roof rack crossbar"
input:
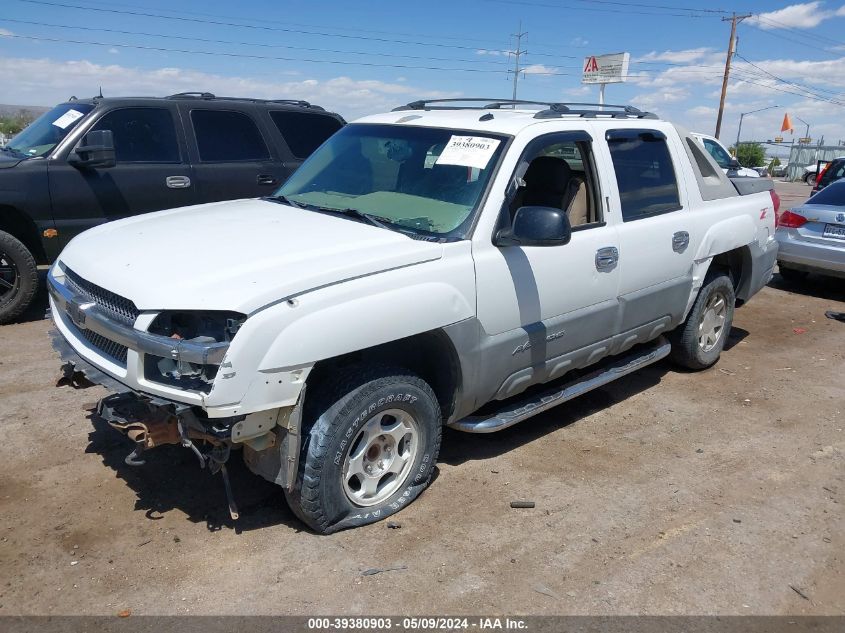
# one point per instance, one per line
(553, 109)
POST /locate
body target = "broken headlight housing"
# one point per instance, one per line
(195, 327)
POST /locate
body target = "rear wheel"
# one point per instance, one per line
(791, 274)
(370, 450)
(698, 342)
(810, 178)
(18, 278)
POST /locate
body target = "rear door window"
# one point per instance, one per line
(645, 174)
(142, 135)
(304, 131)
(227, 136)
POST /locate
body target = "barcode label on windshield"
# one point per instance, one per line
(468, 151)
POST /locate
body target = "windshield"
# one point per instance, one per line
(426, 180)
(47, 131)
(833, 194)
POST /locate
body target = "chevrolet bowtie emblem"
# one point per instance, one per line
(76, 308)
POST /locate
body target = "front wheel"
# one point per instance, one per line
(810, 178)
(370, 451)
(698, 342)
(18, 278)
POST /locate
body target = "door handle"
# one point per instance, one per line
(266, 179)
(607, 258)
(178, 182)
(680, 241)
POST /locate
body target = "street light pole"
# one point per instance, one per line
(807, 134)
(741, 117)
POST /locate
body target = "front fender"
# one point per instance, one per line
(276, 348)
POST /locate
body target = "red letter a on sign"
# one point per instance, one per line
(591, 65)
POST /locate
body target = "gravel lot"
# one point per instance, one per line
(664, 493)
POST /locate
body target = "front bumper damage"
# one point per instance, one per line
(270, 439)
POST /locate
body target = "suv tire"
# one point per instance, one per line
(18, 278)
(370, 449)
(698, 342)
(810, 178)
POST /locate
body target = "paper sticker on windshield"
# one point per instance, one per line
(468, 151)
(67, 118)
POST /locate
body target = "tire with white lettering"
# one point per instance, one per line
(698, 342)
(369, 446)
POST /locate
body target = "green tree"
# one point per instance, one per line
(12, 124)
(775, 163)
(750, 154)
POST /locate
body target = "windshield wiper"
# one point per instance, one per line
(14, 152)
(374, 220)
(280, 199)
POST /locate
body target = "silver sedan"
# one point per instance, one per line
(812, 236)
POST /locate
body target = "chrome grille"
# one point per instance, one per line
(115, 351)
(119, 308)
(113, 305)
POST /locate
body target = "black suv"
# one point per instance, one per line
(89, 161)
(833, 171)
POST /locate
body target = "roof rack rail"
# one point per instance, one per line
(193, 95)
(553, 109)
(596, 110)
(209, 96)
(491, 104)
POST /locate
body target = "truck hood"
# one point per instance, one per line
(238, 255)
(7, 159)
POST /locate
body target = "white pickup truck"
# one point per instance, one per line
(441, 264)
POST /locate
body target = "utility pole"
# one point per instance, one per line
(516, 55)
(735, 19)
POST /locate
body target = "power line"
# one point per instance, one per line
(781, 25)
(593, 9)
(265, 57)
(236, 43)
(246, 26)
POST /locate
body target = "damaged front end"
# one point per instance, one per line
(149, 423)
(270, 439)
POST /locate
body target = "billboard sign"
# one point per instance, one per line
(606, 69)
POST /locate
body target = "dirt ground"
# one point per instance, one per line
(721, 492)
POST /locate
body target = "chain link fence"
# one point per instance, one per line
(802, 156)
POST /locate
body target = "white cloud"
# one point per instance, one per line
(5, 32)
(539, 69)
(580, 91)
(578, 42)
(114, 51)
(796, 16)
(494, 53)
(46, 81)
(676, 57)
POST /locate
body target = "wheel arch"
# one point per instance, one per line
(19, 225)
(430, 355)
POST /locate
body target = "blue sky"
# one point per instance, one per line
(365, 57)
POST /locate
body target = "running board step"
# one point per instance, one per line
(524, 408)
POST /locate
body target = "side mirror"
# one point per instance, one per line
(536, 226)
(734, 165)
(96, 150)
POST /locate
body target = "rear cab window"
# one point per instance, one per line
(645, 174)
(227, 136)
(304, 131)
